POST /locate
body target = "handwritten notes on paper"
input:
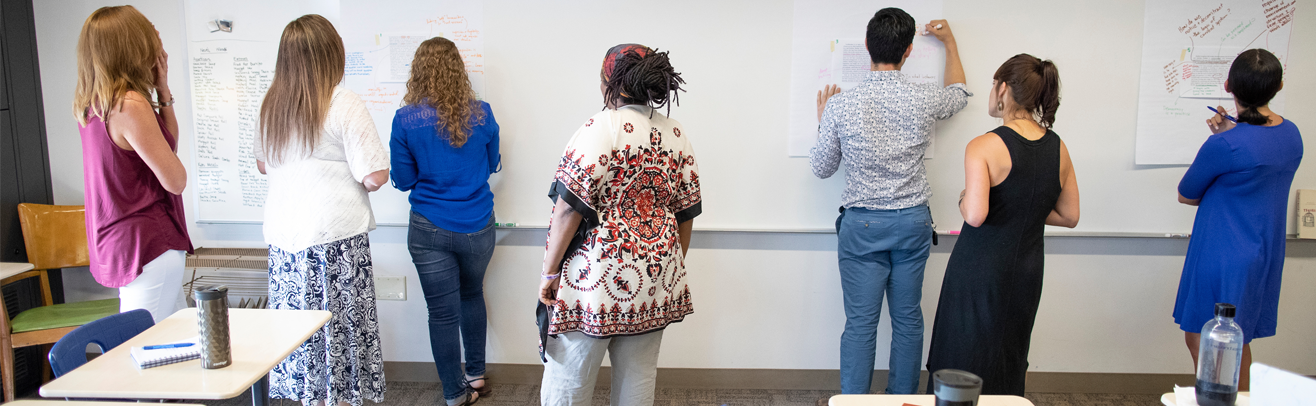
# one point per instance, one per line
(1188, 47)
(227, 90)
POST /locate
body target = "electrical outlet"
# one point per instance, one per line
(391, 287)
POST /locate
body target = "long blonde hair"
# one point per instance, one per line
(116, 53)
(438, 79)
(310, 65)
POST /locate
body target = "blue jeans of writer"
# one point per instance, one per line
(882, 252)
(451, 269)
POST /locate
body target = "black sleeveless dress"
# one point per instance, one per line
(994, 279)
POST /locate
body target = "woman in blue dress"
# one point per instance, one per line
(1240, 184)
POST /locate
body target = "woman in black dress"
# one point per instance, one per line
(1018, 178)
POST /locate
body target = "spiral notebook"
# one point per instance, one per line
(150, 358)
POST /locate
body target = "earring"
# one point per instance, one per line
(1000, 106)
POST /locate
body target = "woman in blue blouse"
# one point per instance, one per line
(444, 146)
(1240, 182)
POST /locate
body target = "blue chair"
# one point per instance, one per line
(108, 332)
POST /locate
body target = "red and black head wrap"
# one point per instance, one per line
(636, 74)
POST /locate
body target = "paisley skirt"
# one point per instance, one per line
(343, 361)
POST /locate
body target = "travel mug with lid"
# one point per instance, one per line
(954, 387)
(212, 319)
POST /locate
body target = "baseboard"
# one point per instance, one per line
(807, 379)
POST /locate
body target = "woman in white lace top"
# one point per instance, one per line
(323, 156)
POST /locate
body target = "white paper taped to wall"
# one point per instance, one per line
(1187, 49)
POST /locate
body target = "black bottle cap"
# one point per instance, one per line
(212, 292)
(1224, 309)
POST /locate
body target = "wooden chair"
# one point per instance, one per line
(56, 237)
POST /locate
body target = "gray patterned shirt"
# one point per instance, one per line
(880, 129)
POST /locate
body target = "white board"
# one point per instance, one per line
(541, 71)
(1187, 48)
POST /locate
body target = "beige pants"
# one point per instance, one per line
(573, 366)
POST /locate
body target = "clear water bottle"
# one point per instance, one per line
(1219, 359)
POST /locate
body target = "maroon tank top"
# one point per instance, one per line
(131, 218)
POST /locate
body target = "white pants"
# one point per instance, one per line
(573, 366)
(159, 289)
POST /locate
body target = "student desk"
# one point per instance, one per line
(920, 400)
(30, 402)
(1243, 400)
(260, 339)
(8, 269)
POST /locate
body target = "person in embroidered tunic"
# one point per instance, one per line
(880, 130)
(322, 153)
(444, 146)
(626, 194)
(136, 235)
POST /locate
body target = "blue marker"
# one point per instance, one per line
(167, 346)
(1213, 110)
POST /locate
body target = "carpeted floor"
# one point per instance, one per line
(424, 393)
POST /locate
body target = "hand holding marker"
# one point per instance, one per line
(926, 32)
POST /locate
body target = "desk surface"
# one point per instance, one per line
(1244, 399)
(8, 269)
(920, 400)
(33, 402)
(260, 339)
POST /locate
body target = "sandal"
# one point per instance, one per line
(470, 398)
(483, 390)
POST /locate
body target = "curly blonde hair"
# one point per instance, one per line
(439, 80)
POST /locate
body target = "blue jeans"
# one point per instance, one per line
(451, 268)
(882, 252)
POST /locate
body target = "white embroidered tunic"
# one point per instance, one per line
(633, 178)
(318, 197)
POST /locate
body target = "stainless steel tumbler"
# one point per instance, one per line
(954, 387)
(212, 319)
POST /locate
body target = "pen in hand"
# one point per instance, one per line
(1227, 116)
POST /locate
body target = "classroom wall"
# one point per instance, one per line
(772, 300)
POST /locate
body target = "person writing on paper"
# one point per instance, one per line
(626, 194)
(1240, 184)
(444, 147)
(322, 153)
(136, 235)
(1017, 179)
(880, 130)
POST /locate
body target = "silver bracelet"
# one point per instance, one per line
(168, 103)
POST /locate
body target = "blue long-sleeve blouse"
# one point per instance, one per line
(449, 185)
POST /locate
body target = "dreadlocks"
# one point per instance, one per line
(636, 74)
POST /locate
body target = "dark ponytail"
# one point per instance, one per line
(1035, 84)
(1254, 78)
(641, 75)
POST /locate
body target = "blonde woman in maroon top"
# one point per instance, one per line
(135, 228)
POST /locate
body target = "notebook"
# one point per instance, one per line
(150, 358)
